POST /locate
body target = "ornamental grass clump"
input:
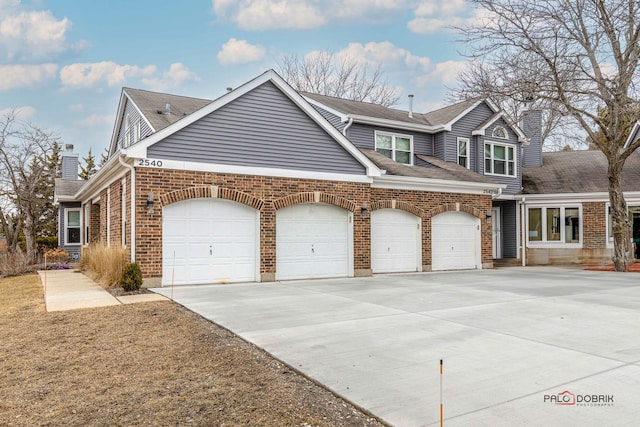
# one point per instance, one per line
(104, 264)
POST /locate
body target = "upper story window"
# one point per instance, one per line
(132, 130)
(500, 132)
(463, 152)
(395, 147)
(499, 159)
(127, 133)
(553, 224)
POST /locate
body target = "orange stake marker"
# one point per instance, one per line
(441, 406)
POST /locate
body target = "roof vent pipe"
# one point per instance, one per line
(167, 108)
(229, 89)
(411, 105)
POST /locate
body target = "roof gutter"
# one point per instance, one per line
(121, 160)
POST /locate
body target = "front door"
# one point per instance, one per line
(496, 225)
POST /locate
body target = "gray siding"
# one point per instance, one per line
(262, 128)
(331, 118)
(69, 166)
(438, 145)
(514, 184)
(463, 129)
(532, 127)
(61, 228)
(132, 111)
(509, 228)
(363, 136)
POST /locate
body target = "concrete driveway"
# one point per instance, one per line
(511, 339)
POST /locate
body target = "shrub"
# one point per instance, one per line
(131, 277)
(104, 264)
(57, 256)
(14, 264)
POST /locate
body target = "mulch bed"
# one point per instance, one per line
(633, 268)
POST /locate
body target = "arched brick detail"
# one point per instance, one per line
(456, 207)
(397, 204)
(211, 191)
(315, 197)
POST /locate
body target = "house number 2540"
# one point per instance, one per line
(150, 163)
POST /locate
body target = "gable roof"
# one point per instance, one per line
(577, 172)
(152, 106)
(139, 149)
(452, 112)
(65, 189)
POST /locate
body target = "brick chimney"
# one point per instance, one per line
(532, 128)
(69, 163)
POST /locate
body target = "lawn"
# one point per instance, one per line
(144, 364)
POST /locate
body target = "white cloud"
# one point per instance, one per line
(177, 75)
(444, 74)
(432, 16)
(22, 113)
(32, 35)
(385, 54)
(305, 14)
(86, 75)
(91, 75)
(95, 120)
(25, 76)
(240, 52)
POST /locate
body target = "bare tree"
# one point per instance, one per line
(23, 175)
(487, 80)
(326, 74)
(580, 56)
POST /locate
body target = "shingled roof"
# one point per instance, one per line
(430, 167)
(577, 172)
(67, 188)
(441, 116)
(152, 106)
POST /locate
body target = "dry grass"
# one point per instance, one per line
(12, 264)
(104, 264)
(144, 364)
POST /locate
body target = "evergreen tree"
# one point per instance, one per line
(48, 223)
(89, 169)
(104, 157)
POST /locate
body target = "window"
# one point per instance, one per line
(72, 226)
(500, 132)
(395, 147)
(634, 218)
(87, 221)
(559, 225)
(463, 152)
(127, 133)
(499, 159)
(136, 131)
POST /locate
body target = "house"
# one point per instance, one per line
(265, 183)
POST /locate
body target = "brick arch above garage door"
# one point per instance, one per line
(397, 204)
(211, 191)
(455, 207)
(315, 197)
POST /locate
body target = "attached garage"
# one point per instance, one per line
(455, 242)
(209, 241)
(396, 241)
(313, 240)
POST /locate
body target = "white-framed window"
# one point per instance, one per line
(500, 132)
(463, 152)
(72, 226)
(554, 225)
(136, 131)
(395, 146)
(499, 159)
(634, 218)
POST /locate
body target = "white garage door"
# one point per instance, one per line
(396, 244)
(455, 241)
(313, 241)
(214, 240)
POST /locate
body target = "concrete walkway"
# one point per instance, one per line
(70, 289)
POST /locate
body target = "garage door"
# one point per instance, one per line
(455, 241)
(395, 241)
(313, 241)
(214, 241)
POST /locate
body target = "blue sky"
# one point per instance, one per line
(63, 62)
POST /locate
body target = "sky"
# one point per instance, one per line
(63, 63)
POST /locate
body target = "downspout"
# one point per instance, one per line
(495, 196)
(523, 208)
(121, 158)
(346, 128)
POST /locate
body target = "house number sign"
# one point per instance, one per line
(149, 163)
